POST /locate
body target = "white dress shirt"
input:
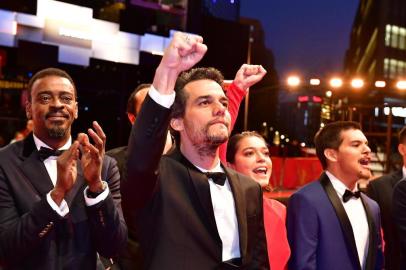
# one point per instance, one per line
(50, 165)
(222, 200)
(358, 218)
(221, 197)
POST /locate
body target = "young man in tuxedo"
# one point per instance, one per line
(58, 208)
(331, 225)
(381, 190)
(187, 218)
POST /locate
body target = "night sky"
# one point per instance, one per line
(309, 37)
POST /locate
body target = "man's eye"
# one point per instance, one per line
(225, 104)
(44, 98)
(66, 99)
(203, 103)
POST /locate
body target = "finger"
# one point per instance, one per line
(71, 154)
(262, 70)
(96, 139)
(99, 131)
(93, 151)
(84, 143)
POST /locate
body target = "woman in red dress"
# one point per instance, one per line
(248, 154)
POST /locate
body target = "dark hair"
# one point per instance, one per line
(234, 141)
(402, 135)
(49, 72)
(330, 137)
(131, 98)
(196, 74)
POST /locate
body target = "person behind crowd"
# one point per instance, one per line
(59, 200)
(398, 243)
(381, 190)
(330, 224)
(248, 153)
(187, 217)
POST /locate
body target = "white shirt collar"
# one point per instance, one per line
(403, 172)
(339, 186)
(215, 169)
(39, 143)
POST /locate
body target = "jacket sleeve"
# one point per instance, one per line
(302, 229)
(235, 96)
(21, 234)
(145, 146)
(399, 213)
(108, 228)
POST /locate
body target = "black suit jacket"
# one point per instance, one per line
(34, 236)
(131, 257)
(175, 218)
(399, 216)
(381, 190)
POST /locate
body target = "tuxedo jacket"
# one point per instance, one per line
(34, 236)
(320, 233)
(399, 216)
(130, 258)
(381, 190)
(175, 218)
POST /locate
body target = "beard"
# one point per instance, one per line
(364, 174)
(207, 139)
(57, 132)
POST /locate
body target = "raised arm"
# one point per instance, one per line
(148, 134)
(246, 76)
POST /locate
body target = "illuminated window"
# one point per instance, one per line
(394, 68)
(402, 38)
(395, 36)
(387, 35)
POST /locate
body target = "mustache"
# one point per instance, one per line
(57, 113)
(219, 121)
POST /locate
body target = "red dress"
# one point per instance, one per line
(276, 237)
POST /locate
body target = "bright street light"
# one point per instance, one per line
(336, 82)
(314, 81)
(293, 81)
(401, 85)
(380, 84)
(357, 83)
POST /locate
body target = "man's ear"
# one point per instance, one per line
(402, 149)
(28, 110)
(177, 124)
(76, 111)
(330, 154)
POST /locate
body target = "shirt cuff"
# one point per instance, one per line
(163, 100)
(102, 196)
(62, 209)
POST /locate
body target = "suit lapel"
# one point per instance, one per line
(371, 258)
(34, 169)
(240, 209)
(342, 216)
(396, 177)
(200, 187)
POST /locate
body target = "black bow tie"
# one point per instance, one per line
(349, 194)
(218, 178)
(45, 152)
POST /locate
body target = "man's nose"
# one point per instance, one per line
(220, 108)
